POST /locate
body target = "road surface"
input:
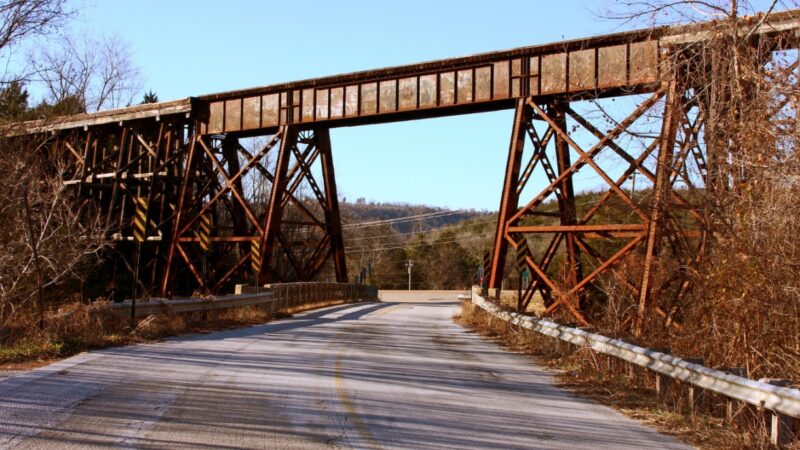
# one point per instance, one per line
(397, 374)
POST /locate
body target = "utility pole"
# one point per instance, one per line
(632, 177)
(409, 264)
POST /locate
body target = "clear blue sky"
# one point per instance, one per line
(195, 47)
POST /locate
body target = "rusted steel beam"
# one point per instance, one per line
(597, 271)
(672, 114)
(591, 67)
(538, 154)
(606, 228)
(585, 157)
(556, 112)
(185, 108)
(596, 67)
(588, 159)
(230, 151)
(332, 217)
(166, 284)
(220, 170)
(509, 197)
(274, 214)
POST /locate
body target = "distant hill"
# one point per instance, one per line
(421, 217)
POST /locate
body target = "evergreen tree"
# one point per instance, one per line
(149, 97)
(14, 103)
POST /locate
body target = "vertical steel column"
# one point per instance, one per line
(509, 198)
(661, 195)
(274, 216)
(123, 144)
(188, 180)
(569, 215)
(333, 220)
(158, 188)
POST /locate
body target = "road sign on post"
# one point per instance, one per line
(487, 268)
(522, 265)
(204, 232)
(255, 257)
(521, 253)
(139, 235)
(140, 220)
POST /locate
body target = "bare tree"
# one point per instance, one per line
(50, 238)
(744, 309)
(99, 72)
(20, 19)
(675, 12)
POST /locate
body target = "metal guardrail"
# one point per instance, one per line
(278, 296)
(781, 400)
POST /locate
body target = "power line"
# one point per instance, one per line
(407, 218)
(434, 230)
(473, 238)
(453, 227)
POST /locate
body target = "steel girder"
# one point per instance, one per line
(115, 168)
(271, 219)
(591, 239)
(212, 205)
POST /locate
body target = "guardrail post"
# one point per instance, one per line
(695, 394)
(730, 403)
(300, 299)
(662, 382)
(780, 425)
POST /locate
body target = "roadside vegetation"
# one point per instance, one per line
(630, 389)
(78, 327)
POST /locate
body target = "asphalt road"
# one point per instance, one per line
(397, 374)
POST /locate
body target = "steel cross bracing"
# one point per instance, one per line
(264, 218)
(586, 240)
(116, 167)
(239, 187)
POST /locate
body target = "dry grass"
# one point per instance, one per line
(76, 327)
(628, 390)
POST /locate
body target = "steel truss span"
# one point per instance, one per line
(239, 187)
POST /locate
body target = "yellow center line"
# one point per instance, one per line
(350, 408)
(388, 310)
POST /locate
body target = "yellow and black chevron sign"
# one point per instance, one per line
(522, 250)
(204, 232)
(140, 220)
(255, 255)
(487, 262)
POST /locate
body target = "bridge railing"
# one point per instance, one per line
(772, 395)
(276, 297)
